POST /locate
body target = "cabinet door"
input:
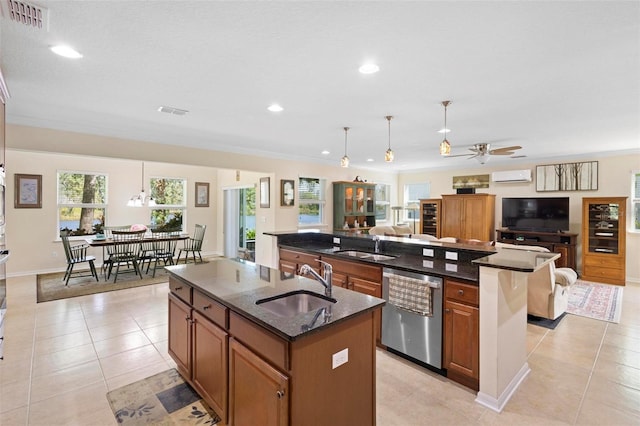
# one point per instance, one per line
(369, 199)
(452, 214)
(339, 280)
(180, 335)
(461, 339)
(288, 266)
(561, 262)
(258, 393)
(210, 349)
(366, 287)
(349, 200)
(474, 220)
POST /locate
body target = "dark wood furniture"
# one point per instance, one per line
(461, 336)
(354, 202)
(564, 243)
(430, 214)
(468, 216)
(603, 239)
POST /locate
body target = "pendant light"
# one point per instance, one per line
(139, 199)
(388, 155)
(445, 146)
(344, 162)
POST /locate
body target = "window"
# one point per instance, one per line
(170, 203)
(635, 201)
(413, 193)
(383, 202)
(82, 202)
(310, 201)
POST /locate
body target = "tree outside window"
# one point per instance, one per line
(169, 197)
(82, 203)
(310, 201)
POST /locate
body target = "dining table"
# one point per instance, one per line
(148, 238)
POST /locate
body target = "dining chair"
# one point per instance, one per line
(126, 248)
(107, 250)
(193, 245)
(77, 254)
(163, 248)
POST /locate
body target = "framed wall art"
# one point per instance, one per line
(567, 177)
(28, 191)
(202, 194)
(287, 194)
(471, 181)
(265, 192)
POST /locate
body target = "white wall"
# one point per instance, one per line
(614, 180)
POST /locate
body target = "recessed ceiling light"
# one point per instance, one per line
(275, 108)
(325, 152)
(65, 51)
(370, 160)
(443, 130)
(172, 110)
(369, 68)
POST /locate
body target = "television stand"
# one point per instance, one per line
(557, 242)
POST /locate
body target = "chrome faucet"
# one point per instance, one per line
(376, 239)
(326, 317)
(325, 280)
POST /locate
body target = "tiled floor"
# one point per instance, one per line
(62, 357)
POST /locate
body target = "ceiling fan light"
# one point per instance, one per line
(445, 147)
(482, 159)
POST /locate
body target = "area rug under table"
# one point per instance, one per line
(595, 300)
(162, 399)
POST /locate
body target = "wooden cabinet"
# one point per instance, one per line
(564, 243)
(291, 261)
(354, 202)
(468, 216)
(461, 337)
(199, 346)
(430, 212)
(603, 239)
(258, 391)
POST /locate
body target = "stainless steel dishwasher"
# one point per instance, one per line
(406, 331)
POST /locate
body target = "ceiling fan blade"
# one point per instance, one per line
(501, 153)
(497, 151)
(518, 156)
(457, 155)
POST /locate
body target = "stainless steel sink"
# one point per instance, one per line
(296, 302)
(365, 255)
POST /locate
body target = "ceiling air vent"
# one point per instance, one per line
(27, 14)
(174, 111)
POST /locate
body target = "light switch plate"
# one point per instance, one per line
(340, 358)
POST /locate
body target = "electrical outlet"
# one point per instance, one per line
(340, 358)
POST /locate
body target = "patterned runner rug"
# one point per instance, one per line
(595, 300)
(163, 399)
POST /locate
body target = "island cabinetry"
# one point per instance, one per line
(468, 216)
(461, 332)
(198, 343)
(603, 239)
(430, 212)
(564, 243)
(291, 261)
(354, 202)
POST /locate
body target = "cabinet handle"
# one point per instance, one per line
(446, 311)
(460, 292)
(280, 394)
(178, 288)
(204, 308)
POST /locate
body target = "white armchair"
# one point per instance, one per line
(547, 288)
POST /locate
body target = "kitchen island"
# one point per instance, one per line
(256, 365)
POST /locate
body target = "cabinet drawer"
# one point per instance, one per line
(355, 269)
(365, 286)
(603, 274)
(465, 293)
(271, 347)
(615, 262)
(299, 257)
(210, 309)
(181, 289)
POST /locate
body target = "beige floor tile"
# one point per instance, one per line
(157, 333)
(60, 343)
(114, 329)
(629, 357)
(163, 347)
(152, 319)
(66, 380)
(85, 405)
(14, 395)
(137, 374)
(16, 417)
(612, 394)
(50, 362)
(130, 360)
(618, 373)
(626, 341)
(121, 343)
(598, 414)
(60, 329)
(12, 370)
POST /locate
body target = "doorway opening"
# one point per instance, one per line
(240, 223)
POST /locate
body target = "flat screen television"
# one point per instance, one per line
(536, 214)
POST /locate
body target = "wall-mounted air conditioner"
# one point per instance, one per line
(512, 176)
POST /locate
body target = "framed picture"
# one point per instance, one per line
(581, 176)
(264, 192)
(265, 273)
(202, 194)
(471, 181)
(287, 194)
(28, 191)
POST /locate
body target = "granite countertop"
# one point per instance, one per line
(517, 260)
(238, 285)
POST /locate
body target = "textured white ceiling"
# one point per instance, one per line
(557, 78)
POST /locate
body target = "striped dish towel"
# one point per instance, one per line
(411, 294)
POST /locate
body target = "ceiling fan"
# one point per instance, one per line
(483, 151)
